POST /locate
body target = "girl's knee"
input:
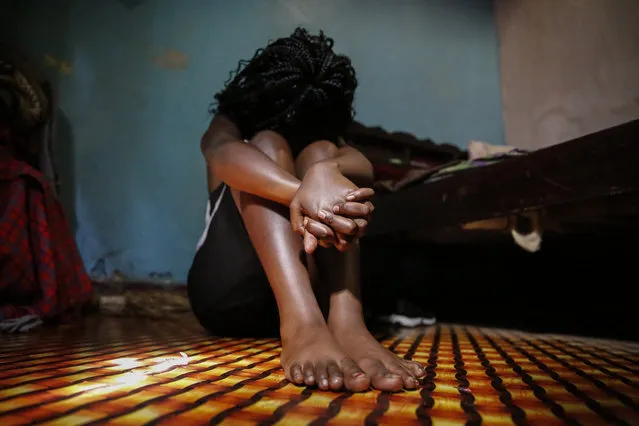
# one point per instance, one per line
(314, 153)
(274, 146)
(324, 149)
(271, 143)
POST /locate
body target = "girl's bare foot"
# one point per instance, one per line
(312, 357)
(387, 372)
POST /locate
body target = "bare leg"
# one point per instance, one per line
(339, 272)
(310, 354)
(387, 371)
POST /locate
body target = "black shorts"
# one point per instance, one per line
(227, 287)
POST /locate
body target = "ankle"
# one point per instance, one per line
(341, 321)
(345, 311)
(299, 327)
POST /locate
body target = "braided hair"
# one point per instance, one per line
(297, 86)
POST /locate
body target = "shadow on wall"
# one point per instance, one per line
(56, 71)
(64, 157)
(131, 4)
(18, 38)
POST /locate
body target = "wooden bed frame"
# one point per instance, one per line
(601, 167)
(585, 193)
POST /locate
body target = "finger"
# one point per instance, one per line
(326, 216)
(324, 234)
(361, 227)
(360, 194)
(352, 209)
(343, 242)
(361, 223)
(318, 229)
(310, 242)
(343, 239)
(342, 225)
(297, 220)
(370, 205)
(326, 243)
(341, 247)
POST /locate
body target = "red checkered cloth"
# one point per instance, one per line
(41, 272)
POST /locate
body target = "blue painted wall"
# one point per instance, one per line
(135, 78)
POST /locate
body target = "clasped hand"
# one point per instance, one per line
(328, 209)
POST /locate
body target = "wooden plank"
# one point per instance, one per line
(600, 164)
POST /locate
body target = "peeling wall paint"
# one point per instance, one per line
(62, 66)
(577, 81)
(135, 80)
(171, 59)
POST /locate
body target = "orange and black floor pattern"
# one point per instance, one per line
(123, 372)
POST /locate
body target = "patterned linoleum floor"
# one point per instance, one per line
(130, 372)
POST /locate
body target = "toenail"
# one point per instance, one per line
(324, 382)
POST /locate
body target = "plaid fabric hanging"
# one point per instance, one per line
(41, 273)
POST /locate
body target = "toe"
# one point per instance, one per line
(335, 376)
(309, 374)
(415, 368)
(381, 378)
(321, 375)
(384, 380)
(296, 374)
(398, 368)
(410, 382)
(355, 380)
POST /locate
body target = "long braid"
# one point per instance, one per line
(296, 86)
